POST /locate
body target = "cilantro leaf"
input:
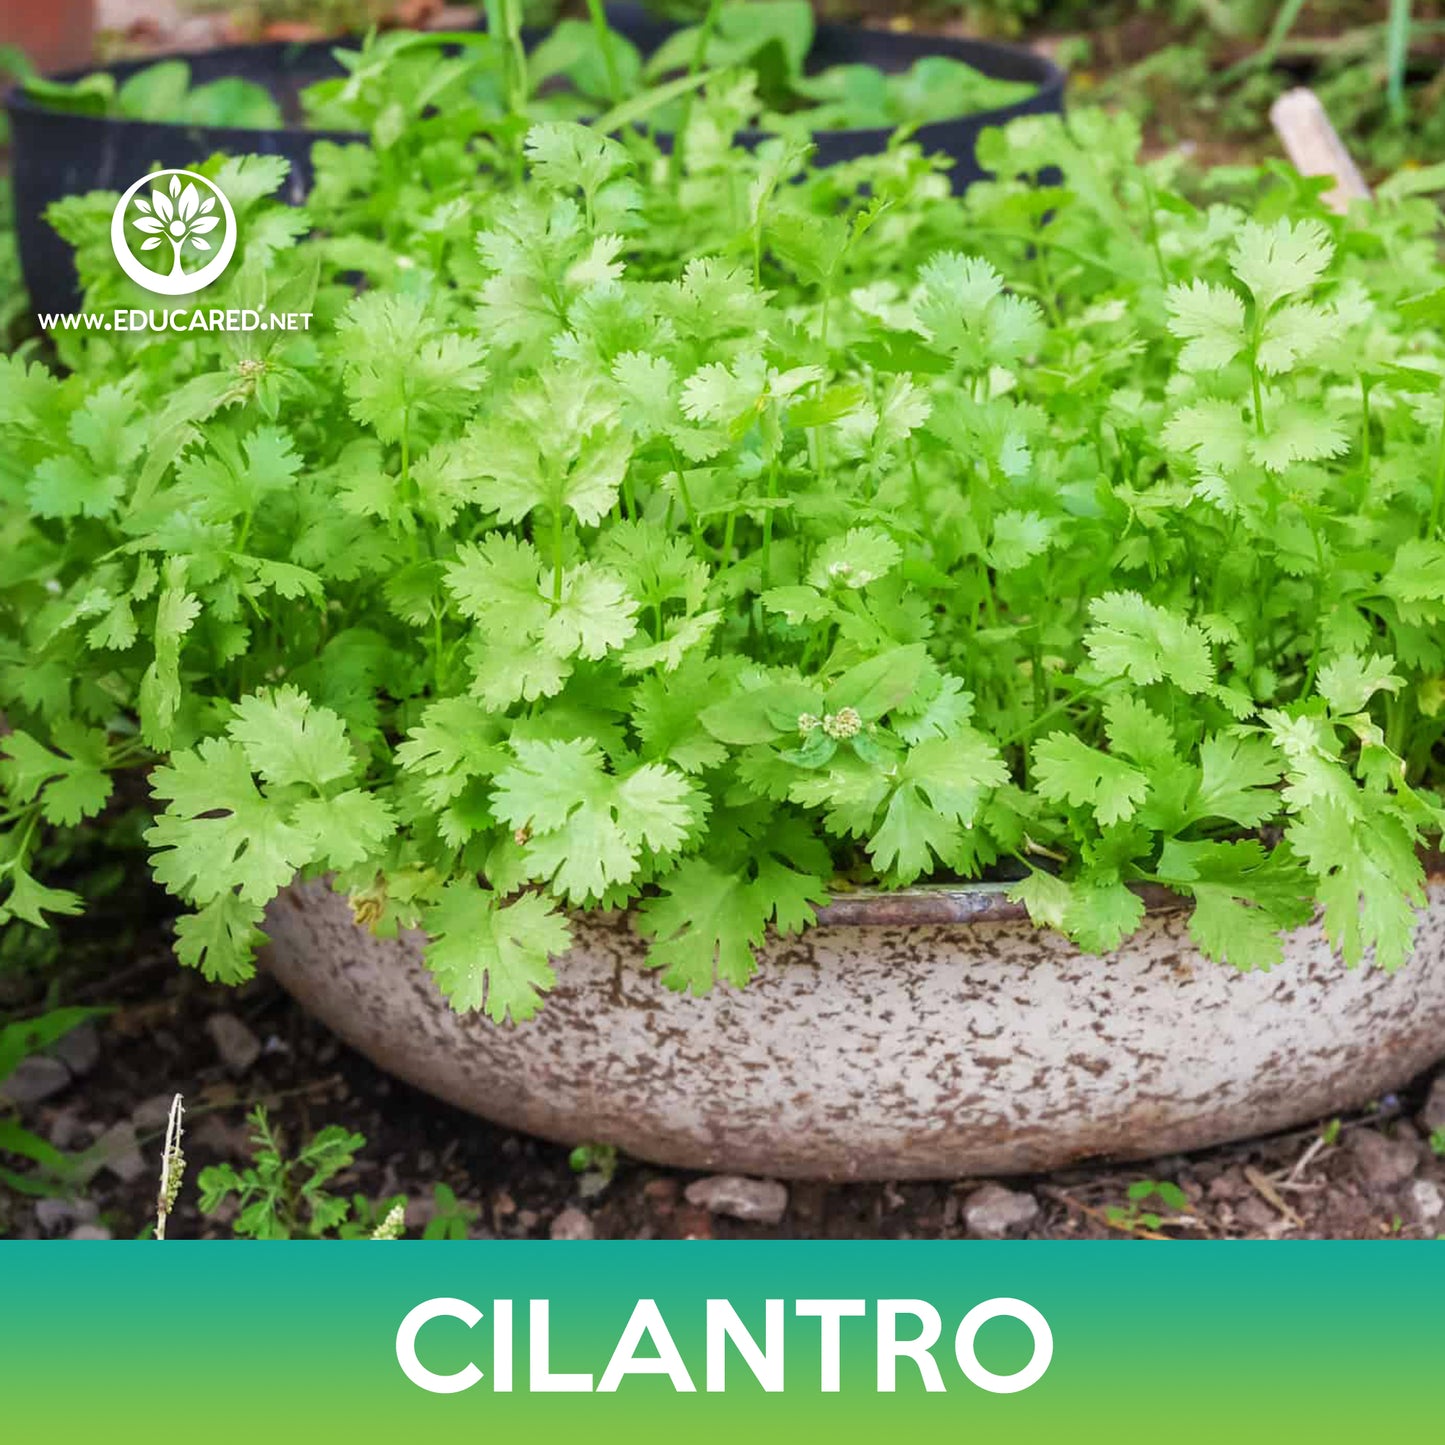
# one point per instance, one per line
(288, 740)
(586, 828)
(1146, 643)
(1068, 770)
(218, 833)
(492, 957)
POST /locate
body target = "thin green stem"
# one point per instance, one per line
(728, 530)
(698, 542)
(695, 66)
(1437, 504)
(1152, 227)
(1048, 715)
(604, 44)
(557, 540)
(768, 526)
(1317, 638)
(1397, 59)
(1366, 441)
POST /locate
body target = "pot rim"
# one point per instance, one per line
(988, 902)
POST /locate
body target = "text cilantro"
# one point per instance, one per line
(904, 1332)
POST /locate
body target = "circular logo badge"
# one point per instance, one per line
(182, 217)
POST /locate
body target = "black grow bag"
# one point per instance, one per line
(57, 154)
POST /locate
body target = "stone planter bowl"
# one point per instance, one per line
(927, 1034)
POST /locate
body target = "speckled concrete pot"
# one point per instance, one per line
(929, 1034)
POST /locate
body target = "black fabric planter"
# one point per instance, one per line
(57, 154)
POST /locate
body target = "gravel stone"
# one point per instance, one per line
(759, 1201)
(238, 1047)
(573, 1224)
(121, 1153)
(34, 1079)
(69, 1131)
(54, 1216)
(90, 1231)
(228, 1139)
(1383, 1163)
(1427, 1201)
(993, 1211)
(152, 1113)
(79, 1050)
(1432, 1116)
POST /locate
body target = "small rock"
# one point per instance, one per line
(55, 1215)
(573, 1224)
(692, 1222)
(1427, 1201)
(90, 1231)
(759, 1201)
(1229, 1187)
(593, 1183)
(1383, 1163)
(69, 1131)
(214, 1135)
(993, 1211)
(152, 1113)
(1254, 1214)
(120, 1153)
(1432, 1116)
(34, 1079)
(238, 1047)
(79, 1050)
(419, 1213)
(527, 1219)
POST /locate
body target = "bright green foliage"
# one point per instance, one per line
(397, 76)
(493, 957)
(704, 534)
(278, 1196)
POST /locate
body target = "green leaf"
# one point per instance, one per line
(221, 939)
(1239, 779)
(1102, 913)
(862, 555)
(288, 740)
(941, 787)
(880, 684)
(349, 828)
(586, 829)
(760, 714)
(160, 689)
(218, 833)
(70, 787)
(1416, 580)
(1280, 260)
(1066, 769)
(1210, 321)
(492, 957)
(705, 926)
(1348, 682)
(593, 617)
(1132, 638)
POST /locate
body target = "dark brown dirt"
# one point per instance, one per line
(157, 1042)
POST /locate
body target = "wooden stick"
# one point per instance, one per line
(1315, 148)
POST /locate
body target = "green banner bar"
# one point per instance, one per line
(604, 1342)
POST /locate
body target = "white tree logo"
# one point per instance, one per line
(184, 211)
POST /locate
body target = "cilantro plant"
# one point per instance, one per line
(705, 534)
(578, 71)
(280, 1197)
